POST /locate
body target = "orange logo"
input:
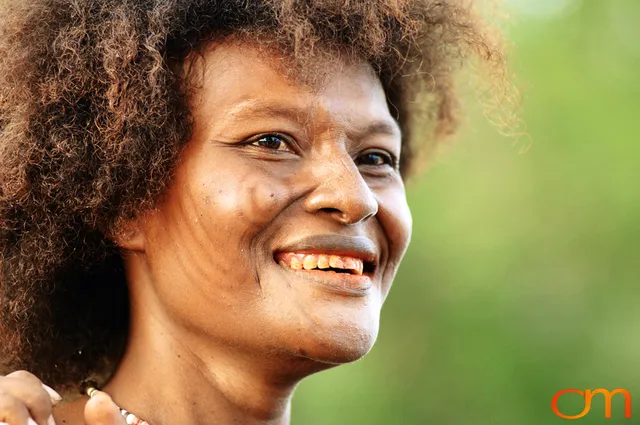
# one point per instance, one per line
(588, 395)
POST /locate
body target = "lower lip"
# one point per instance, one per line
(340, 283)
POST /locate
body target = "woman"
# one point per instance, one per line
(202, 202)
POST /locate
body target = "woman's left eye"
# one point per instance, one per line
(273, 142)
(377, 159)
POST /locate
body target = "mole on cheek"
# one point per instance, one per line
(262, 202)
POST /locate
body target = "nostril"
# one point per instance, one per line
(345, 217)
(331, 210)
(327, 199)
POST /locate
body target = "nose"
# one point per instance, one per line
(343, 194)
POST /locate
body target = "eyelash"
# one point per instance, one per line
(387, 158)
(285, 140)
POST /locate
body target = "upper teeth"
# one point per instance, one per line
(298, 261)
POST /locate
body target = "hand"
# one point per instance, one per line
(101, 410)
(25, 400)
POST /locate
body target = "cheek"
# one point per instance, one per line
(203, 247)
(224, 214)
(248, 200)
(396, 220)
(210, 219)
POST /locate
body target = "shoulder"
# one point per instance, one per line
(70, 413)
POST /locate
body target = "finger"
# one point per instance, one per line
(13, 411)
(23, 374)
(31, 394)
(101, 410)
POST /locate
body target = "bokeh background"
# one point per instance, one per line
(523, 277)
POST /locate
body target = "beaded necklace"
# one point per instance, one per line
(129, 417)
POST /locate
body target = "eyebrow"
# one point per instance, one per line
(268, 109)
(383, 126)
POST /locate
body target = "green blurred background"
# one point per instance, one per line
(523, 277)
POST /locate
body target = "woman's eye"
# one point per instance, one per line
(377, 159)
(273, 142)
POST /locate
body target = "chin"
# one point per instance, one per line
(337, 343)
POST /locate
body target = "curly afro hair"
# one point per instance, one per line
(93, 116)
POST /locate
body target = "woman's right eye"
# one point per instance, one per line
(273, 142)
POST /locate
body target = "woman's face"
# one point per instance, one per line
(287, 219)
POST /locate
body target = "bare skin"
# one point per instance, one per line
(224, 324)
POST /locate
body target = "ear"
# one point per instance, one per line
(130, 235)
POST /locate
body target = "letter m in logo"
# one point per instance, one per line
(588, 395)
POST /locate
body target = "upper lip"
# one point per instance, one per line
(350, 246)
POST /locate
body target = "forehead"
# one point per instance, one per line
(233, 77)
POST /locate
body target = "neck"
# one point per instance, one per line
(172, 376)
(174, 385)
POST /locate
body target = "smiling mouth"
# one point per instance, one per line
(325, 262)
